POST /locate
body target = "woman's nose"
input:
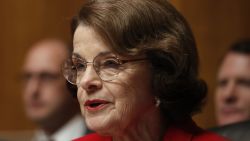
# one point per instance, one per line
(90, 80)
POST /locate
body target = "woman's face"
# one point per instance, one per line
(111, 106)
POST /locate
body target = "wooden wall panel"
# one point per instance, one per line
(22, 23)
(216, 24)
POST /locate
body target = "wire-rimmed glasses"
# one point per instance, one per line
(106, 65)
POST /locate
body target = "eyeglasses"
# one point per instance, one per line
(107, 67)
(44, 77)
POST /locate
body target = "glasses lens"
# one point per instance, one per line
(69, 71)
(107, 67)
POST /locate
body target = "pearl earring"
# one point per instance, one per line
(157, 102)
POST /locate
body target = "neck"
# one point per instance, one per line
(54, 123)
(51, 128)
(150, 127)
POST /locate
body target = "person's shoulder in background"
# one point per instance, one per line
(236, 132)
(210, 136)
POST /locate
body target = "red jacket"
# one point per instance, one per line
(181, 132)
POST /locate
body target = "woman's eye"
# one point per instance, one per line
(80, 66)
(110, 63)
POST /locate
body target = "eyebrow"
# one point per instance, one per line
(100, 53)
(77, 55)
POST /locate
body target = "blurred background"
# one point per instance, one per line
(216, 25)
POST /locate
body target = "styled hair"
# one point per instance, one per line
(156, 29)
(242, 47)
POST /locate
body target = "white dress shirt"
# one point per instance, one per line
(74, 128)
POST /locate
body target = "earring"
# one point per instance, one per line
(157, 102)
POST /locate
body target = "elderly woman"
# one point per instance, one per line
(135, 63)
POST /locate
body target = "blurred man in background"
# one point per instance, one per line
(233, 89)
(47, 99)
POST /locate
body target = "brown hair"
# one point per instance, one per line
(154, 28)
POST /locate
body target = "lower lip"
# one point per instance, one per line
(230, 111)
(97, 108)
(36, 104)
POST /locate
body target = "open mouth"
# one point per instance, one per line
(95, 104)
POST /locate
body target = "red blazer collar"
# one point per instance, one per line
(181, 131)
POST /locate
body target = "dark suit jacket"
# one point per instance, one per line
(236, 132)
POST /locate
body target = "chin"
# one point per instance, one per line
(38, 117)
(35, 116)
(233, 119)
(102, 125)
